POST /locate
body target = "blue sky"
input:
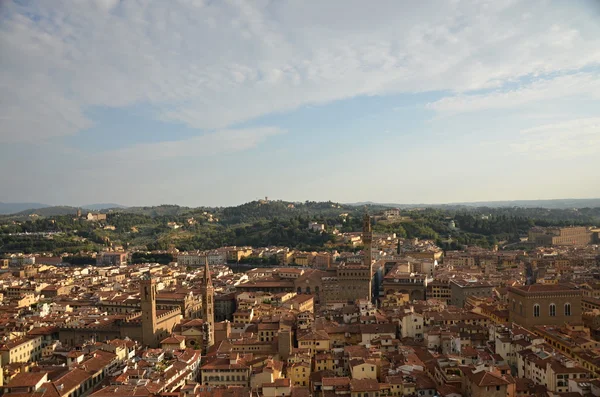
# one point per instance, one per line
(195, 102)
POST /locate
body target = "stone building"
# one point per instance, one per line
(225, 306)
(347, 282)
(149, 326)
(460, 290)
(577, 235)
(355, 280)
(542, 304)
(411, 284)
(111, 259)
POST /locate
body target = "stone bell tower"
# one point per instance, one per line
(208, 308)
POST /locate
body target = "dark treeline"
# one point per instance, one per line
(77, 260)
(143, 257)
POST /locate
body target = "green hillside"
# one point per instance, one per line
(262, 223)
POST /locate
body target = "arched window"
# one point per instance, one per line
(521, 308)
(552, 310)
(567, 309)
(514, 305)
(536, 310)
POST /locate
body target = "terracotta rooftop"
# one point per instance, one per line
(485, 378)
(339, 381)
(26, 379)
(364, 385)
(533, 288)
(173, 339)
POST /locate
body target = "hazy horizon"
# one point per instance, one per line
(301, 201)
(221, 103)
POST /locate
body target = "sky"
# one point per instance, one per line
(220, 102)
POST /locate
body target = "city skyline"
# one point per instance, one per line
(217, 104)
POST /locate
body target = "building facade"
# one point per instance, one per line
(111, 259)
(542, 304)
(354, 280)
(460, 290)
(577, 235)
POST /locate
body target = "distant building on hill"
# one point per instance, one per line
(577, 235)
(316, 227)
(95, 217)
(111, 259)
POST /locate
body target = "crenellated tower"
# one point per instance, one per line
(367, 238)
(148, 303)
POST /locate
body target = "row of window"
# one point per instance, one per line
(299, 290)
(354, 274)
(551, 310)
(537, 310)
(224, 378)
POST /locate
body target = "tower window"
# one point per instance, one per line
(536, 310)
(567, 309)
(552, 310)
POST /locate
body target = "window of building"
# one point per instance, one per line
(536, 310)
(567, 309)
(552, 310)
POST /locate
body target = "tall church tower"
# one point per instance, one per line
(367, 238)
(148, 301)
(208, 308)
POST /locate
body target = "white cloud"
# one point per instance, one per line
(579, 84)
(569, 139)
(214, 64)
(219, 142)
